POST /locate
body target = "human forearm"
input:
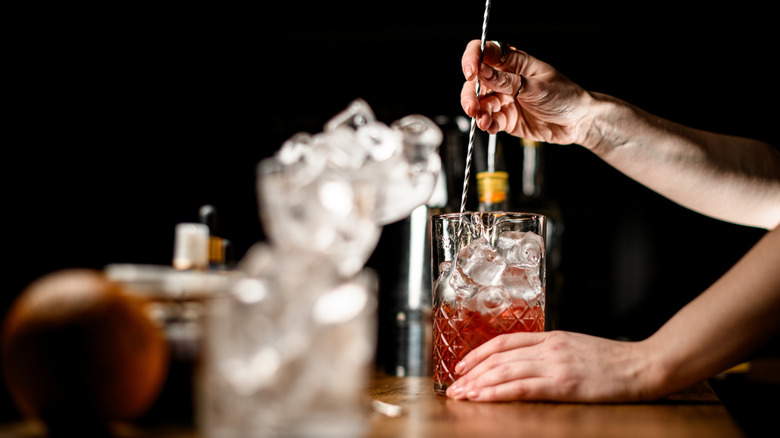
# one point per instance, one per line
(730, 178)
(722, 326)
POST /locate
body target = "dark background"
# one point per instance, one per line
(122, 121)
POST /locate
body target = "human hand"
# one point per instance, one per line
(554, 366)
(527, 97)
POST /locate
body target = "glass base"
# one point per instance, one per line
(440, 388)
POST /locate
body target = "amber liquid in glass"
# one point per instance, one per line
(457, 331)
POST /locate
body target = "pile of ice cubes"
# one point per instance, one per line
(331, 192)
(288, 353)
(493, 278)
(289, 349)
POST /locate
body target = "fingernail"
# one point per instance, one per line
(467, 107)
(472, 395)
(456, 392)
(469, 72)
(460, 367)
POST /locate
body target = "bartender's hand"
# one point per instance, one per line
(528, 98)
(554, 366)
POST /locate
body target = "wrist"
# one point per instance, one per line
(671, 364)
(602, 128)
(654, 371)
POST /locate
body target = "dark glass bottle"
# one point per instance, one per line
(220, 249)
(530, 195)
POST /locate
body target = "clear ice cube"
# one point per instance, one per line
(463, 286)
(521, 284)
(490, 301)
(357, 114)
(379, 141)
(338, 187)
(400, 191)
(421, 140)
(443, 290)
(341, 149)
(481, 263)
(329, 215)
(520, 248)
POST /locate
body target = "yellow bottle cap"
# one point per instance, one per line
(492, 186)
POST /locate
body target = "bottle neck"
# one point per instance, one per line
(532, 184)
(493, 182)
(493, 189)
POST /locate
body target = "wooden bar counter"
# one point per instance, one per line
(694, 412)
(416, 411)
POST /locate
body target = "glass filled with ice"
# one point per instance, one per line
(489, 279)
(288, 348)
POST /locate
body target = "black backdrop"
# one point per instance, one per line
(123, 121)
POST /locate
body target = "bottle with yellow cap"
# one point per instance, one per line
(493, 182)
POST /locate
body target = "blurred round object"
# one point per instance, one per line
(77, 350)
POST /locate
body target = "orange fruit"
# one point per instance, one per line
(77, 350)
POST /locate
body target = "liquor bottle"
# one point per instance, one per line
(493, 182)
(530, 195)
(220, 249)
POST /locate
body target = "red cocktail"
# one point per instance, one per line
(489, 280)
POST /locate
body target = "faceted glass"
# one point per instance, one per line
(489, 279)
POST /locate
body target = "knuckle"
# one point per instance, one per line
(503, 80)
(519, 390)
(488, 394)
(566, 385)
(504, 372)
(502, 340)
(505, 340)
(494, 361)
(555, 341)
